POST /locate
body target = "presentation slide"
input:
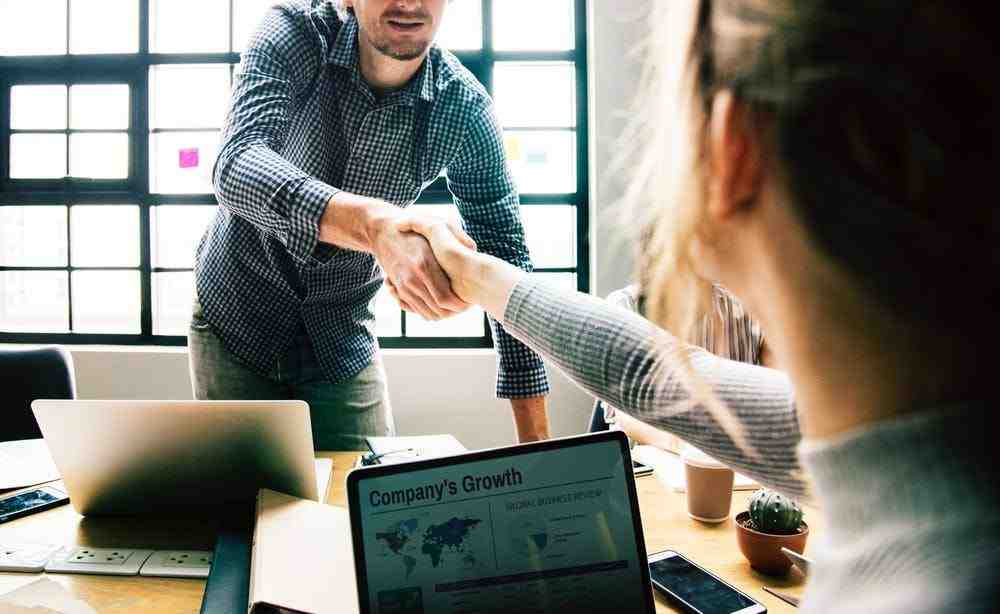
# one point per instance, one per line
(540, 532)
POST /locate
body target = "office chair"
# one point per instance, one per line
(26, 375)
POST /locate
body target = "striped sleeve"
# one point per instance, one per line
(488, 202)
(251, 177)
(628, 362)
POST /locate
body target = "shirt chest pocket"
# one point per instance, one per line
(384, 160)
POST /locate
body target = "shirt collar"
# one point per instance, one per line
(344, 53)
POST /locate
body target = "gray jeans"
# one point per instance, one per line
(342, 414)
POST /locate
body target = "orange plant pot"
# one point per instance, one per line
(763, 550)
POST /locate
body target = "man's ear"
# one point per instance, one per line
(734, 155)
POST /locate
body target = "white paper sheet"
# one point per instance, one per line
(25, 463)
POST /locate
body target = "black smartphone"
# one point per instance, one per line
(640, 469)
(695, 589)
(30, 501)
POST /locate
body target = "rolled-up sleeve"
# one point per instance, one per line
(484, 192)
(252, 179)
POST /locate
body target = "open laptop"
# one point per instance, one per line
(546, 527)
(125, 457)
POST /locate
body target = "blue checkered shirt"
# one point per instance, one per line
(304, 125)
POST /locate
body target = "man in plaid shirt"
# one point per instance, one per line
(343, 113)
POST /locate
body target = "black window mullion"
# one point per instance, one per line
(145, 274)
(69, 105)
(69, 264)
(5, 112)
(140, 116)
(582, 151)
(69, 23)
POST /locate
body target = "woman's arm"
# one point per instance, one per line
(629, 363)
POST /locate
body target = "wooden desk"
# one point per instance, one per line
(665, 523)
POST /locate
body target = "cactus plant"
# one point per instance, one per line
(774, 514)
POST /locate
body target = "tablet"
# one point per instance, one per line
(552, 526)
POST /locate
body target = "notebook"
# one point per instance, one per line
(302, 559)
(391, 450)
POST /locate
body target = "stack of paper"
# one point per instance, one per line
(390, 450)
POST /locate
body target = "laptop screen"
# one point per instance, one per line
(539, 528)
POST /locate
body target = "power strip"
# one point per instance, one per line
(34, 558)
(98, 561)
(178, 564)
(25, 558)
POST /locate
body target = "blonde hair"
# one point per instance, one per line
(881, 123)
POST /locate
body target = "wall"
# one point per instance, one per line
(438, 391)
(616, 28)
(431, 391)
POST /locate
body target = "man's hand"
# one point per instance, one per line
(413, 274)
(530, 419)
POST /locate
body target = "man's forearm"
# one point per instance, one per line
(530, 419)
(352, 221)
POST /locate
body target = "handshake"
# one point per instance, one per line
(427, 263)
(431, 266)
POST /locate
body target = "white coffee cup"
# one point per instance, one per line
(709, 486)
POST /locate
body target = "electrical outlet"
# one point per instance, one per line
(30, 558)
(99, 561)
(178, 564)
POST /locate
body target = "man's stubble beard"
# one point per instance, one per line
(404, 53)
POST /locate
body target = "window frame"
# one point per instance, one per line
(134, 70)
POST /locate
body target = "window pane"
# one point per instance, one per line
(530, 25)
(189, 96)
(33, 236)
(388, 318)
(173, 295)
(98, 156)
(543, 162)
(32, 27)
(105, 235)
(106, 302)
(247, 16)
(462, 28)
(34, 302)
(189, 26)
(37, 156)
(38, 107)
(535, 94)
(469, 323)
(99, 107)
(181, 162)
(104, 26)
(551, 235)
(176, 232)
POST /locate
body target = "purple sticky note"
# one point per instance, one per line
(189, 158)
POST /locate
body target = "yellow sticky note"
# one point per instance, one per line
(512, 144)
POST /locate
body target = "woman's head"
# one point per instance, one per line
(868, 124)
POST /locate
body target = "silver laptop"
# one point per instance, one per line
(126, 457)
(553, 524)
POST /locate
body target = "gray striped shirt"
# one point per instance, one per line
(910, 504)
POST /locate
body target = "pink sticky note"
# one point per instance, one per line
(189, 158)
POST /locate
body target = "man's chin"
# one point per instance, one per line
(403, 53)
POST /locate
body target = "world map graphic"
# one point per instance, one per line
(437, 539)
